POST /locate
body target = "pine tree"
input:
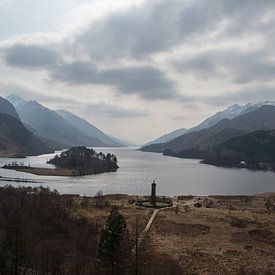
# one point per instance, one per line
(111, 238)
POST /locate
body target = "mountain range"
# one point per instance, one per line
(59, 129)
(29, 128)
(201, 143)
(231, 112)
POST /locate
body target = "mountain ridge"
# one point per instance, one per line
(262, 118)
(89, 129)
(230, 112)
(51, 127)
(7, 108)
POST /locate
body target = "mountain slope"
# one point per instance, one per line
(16, 100)
(16, 140)
(255, 144)
(167, 137)
(52, 128)
(87, 128)
(231, 112)
(197, 143)
(253, 150)
(7, 108)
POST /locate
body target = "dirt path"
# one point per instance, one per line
(152, 218)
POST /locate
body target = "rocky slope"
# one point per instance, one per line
(16, 140)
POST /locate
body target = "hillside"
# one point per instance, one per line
(167, 137)
(16, 140)
(253, 150)
(231, 112)
(7, 108)
(89, 129)
(195, 144)
(55, 131)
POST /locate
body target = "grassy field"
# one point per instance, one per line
(218, 235)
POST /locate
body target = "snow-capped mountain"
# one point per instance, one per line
(231, 112)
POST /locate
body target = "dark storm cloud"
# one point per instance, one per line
(106, 110)
(145, 81)
(30, 56)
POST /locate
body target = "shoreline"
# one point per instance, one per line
(59, 172)
(47, 171)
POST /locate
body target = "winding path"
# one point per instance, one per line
(152, 218)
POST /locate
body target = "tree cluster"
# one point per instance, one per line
(38, 235)
(85, 161)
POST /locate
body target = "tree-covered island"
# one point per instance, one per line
(77, 161)
(84, 161)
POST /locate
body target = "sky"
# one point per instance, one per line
(138, 69)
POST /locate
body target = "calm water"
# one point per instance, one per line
(138, 169)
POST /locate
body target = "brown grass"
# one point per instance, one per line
(219, 240)
(230, 235)
(47, 171)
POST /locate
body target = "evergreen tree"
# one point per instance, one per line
(109, 248)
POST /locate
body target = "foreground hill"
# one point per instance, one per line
(89, 129)
(197, 144)
(16, 140)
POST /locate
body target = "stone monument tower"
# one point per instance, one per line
(153, 193)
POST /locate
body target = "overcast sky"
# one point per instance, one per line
(138, 69)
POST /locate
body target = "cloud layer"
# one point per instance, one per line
(162, 56)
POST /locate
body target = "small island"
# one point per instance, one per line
(77, 161)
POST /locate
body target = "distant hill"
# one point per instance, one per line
(16, 140)
(7, 108)
(196, 144)
(89, 129)
(124, 141)
(253, 150)
(52, 128)
(231, 112)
